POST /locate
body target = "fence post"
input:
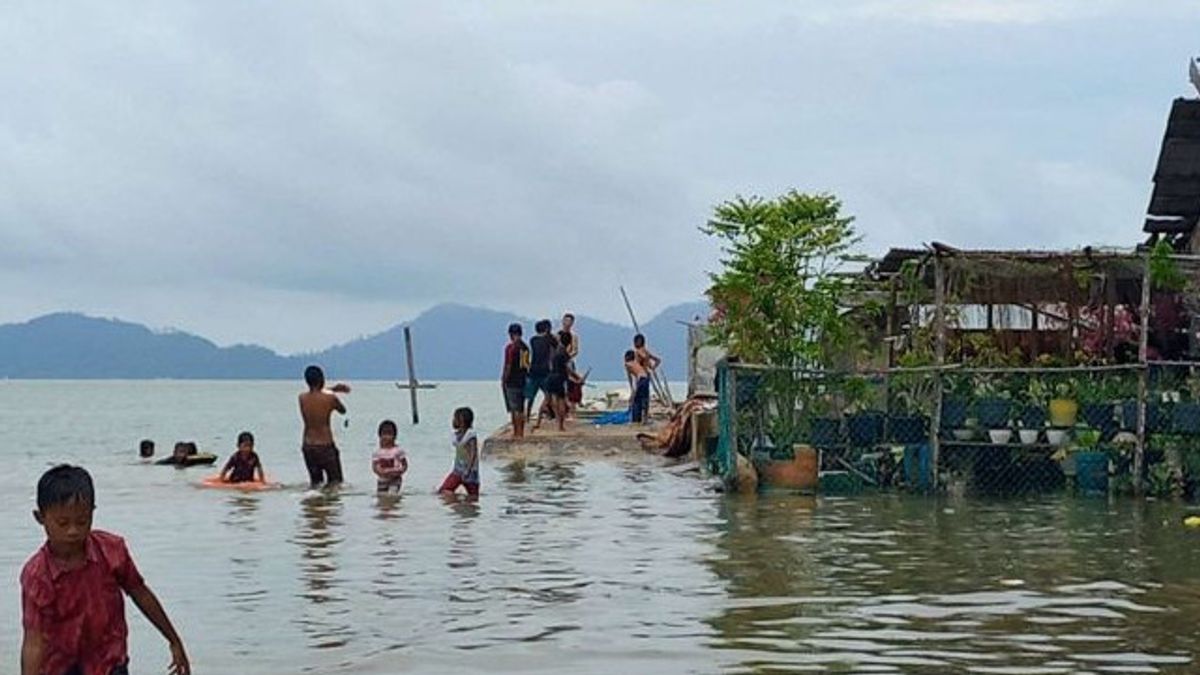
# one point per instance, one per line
(733, 417)
(1139, 451)
(939, 326)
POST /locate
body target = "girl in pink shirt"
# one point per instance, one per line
(389, 461)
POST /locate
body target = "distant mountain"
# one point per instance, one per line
(66, 346)
(452, 342)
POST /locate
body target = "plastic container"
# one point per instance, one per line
(840, 483)
(918, 467)
(1091, 472)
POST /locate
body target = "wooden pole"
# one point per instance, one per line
(939, 325)
(1139, 453)
(412, 374)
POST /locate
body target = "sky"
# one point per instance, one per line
(300, 174)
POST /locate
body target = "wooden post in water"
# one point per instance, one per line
(412, 374)
(1139, 451)
(939, 327)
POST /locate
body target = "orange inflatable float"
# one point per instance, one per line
(248, 486)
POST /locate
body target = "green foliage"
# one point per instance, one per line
(778, 299)
(1164, 274)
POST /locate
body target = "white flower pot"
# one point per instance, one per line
(964, 434)
(1028, 436)
(1000, 436)
(1056, 437)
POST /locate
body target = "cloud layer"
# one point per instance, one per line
(300, 176)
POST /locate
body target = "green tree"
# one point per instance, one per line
(778, 298)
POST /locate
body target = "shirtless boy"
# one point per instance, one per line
(316, 407)
(639, 388)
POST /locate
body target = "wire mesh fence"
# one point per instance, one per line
(996, 431)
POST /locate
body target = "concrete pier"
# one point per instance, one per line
(581, 439)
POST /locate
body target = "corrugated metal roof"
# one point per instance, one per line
(1175, 202)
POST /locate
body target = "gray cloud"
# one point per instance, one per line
(297, 177)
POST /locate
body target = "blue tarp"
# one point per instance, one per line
(621, 417)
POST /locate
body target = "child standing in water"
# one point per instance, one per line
(389, 461)
(72, 608)
(466, 455)
(243, 466)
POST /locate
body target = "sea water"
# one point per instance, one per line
(613, 565)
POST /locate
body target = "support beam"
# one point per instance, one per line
(1139, 453)
(939, 327)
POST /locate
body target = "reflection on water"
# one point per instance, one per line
(893, 584)
(246, 590)
(586, 567)
(324, 619)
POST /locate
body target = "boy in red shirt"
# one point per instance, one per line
(72, 609)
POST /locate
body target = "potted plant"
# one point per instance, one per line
(913, 399)
(864, 427)
(1090, 462)
(1028, 434)
(824, 428)
(993, 406)
(1064, 409)
(956, 402)
(1186, 413)
(1034, 398)
(1096, 395)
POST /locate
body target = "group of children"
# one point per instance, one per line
(546, 365)
(389, 462)
(73, 587)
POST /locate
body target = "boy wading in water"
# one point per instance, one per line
(321, 456)
(72, 609)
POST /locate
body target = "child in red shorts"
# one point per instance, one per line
(72, 608)
(466, 455)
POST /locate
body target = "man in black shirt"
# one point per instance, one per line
(541, 350)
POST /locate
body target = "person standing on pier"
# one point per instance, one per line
(639, 388)
(541, 351)
(574, 387)
(513, 376)
(647, 360)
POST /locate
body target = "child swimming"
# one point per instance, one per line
(389, 461)
(243, 465)
(466, 455)
(72, 607)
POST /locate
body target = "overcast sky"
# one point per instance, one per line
(298, 174)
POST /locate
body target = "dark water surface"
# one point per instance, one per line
(581, 567)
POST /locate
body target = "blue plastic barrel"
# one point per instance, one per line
(1091, 472)
(918, 467)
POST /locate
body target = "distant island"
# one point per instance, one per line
(453, 342)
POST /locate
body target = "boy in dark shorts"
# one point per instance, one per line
(513, 376)
(639, 385)
(72, 608)
(244, 465)
(541, 351)
(321, 456)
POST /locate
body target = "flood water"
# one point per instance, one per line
(583, 567)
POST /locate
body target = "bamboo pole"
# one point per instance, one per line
(939, 323)
(1139, 453)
